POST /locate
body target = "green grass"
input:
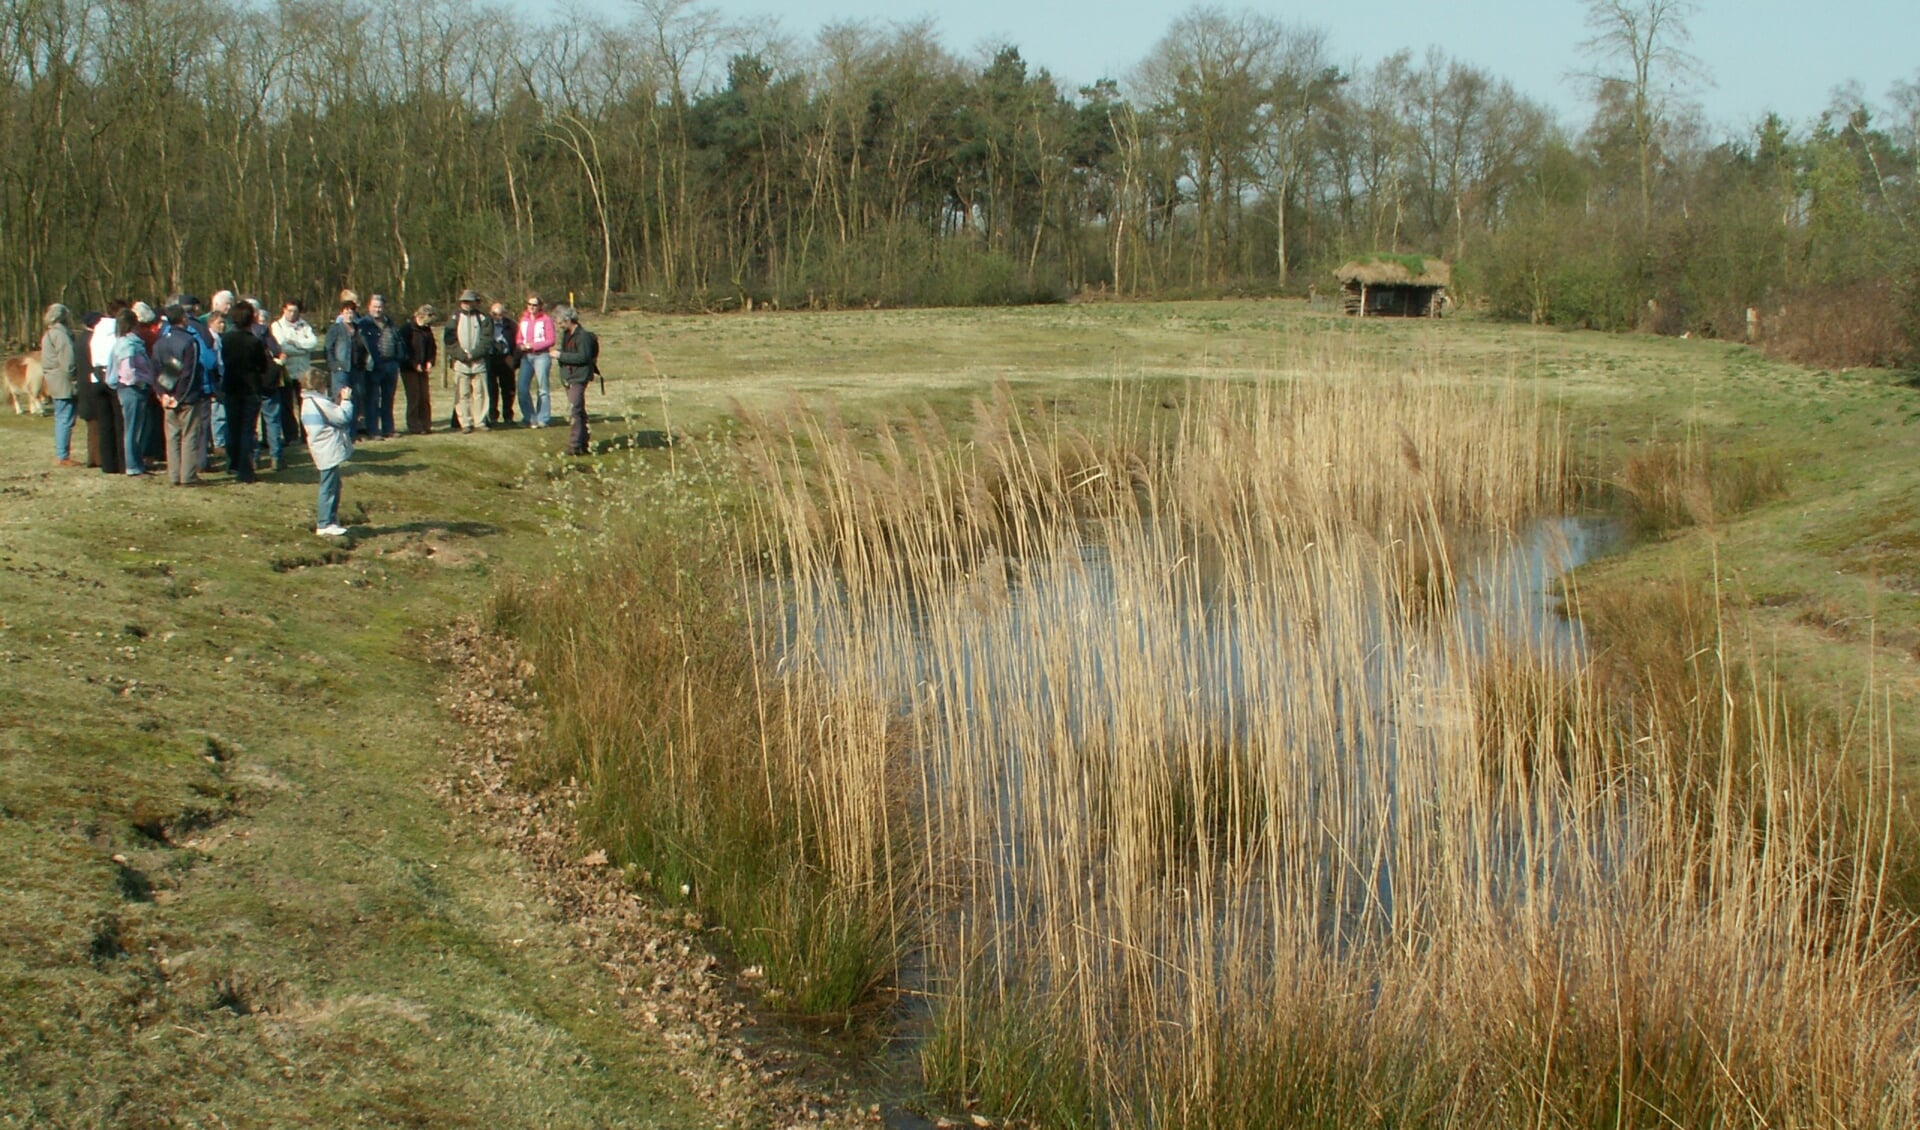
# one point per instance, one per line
(230, 894)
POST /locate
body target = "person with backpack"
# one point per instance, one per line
(184, 380)
(469, 342)
(389, 357)
(579, 357)
(130, 371)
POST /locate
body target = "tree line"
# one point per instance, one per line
(675, 161)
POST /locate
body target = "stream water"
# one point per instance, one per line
(1050, 653)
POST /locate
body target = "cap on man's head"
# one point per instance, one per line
(144, 312)
(469, 295)
(189, 300)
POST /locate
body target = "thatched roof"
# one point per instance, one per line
(1383, 269)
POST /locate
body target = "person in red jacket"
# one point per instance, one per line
(536, 364)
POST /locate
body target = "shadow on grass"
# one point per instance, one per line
(305, 475)
(362, 531)
(651, 439)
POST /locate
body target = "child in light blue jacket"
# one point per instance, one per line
(329, 427)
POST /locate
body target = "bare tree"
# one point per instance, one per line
(1301, 83)
(1640, 46)
(1205, 80)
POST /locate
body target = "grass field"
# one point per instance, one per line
(232, 896)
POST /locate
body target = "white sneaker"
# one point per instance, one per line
(333, 531)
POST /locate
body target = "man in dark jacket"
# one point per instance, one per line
(184, 379)
(244, 360)
(350, 357)
(502, 364)
(579, 358)
(389, 357)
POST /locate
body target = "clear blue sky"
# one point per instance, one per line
(1761, 55)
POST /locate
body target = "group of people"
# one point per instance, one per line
(175, 386)
(503, 361)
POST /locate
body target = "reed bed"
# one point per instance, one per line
(1187, 772)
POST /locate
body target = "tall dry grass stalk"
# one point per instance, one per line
(1191, 770)
(1235, 808)
(697, 772)
(1669, 486)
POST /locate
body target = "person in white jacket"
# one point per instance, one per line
(329, 440)
(298, 341)
(104, 447)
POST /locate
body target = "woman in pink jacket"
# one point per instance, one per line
(536, 361)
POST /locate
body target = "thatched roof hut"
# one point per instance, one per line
(1408, 286)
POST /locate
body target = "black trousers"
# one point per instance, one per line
(419, 386)
(243, 419)
(106, 433)
(500, 389)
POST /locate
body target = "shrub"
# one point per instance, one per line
(1866, 324)
(1670, 486)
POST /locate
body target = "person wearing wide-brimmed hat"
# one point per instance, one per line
(469, 340)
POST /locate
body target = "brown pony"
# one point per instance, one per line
(26, 382)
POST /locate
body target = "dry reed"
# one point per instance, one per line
(1189, 762)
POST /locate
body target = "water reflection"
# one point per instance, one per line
(1052, 635)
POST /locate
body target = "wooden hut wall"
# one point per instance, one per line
(1387, 300)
